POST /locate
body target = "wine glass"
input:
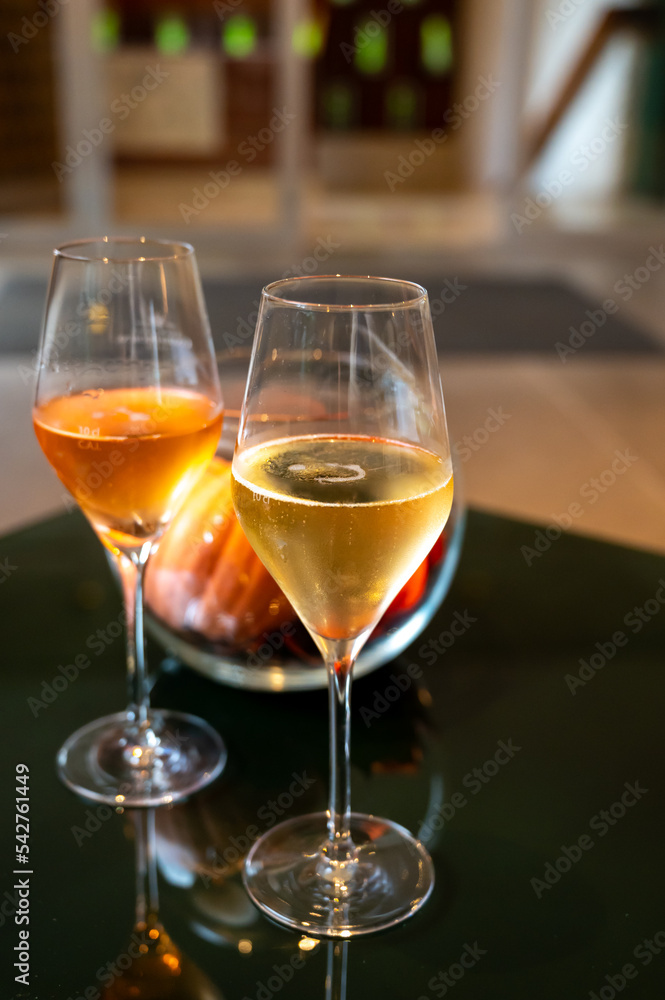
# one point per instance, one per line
(342, 482)
(128, 411)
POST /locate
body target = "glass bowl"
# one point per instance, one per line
(211, 603)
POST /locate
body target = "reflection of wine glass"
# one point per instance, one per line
(336, 970)
(342, 483)
(158, 969)
(128, 411)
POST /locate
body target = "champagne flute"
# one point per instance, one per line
(128, 411)
(342, 482)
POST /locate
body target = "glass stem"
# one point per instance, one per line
(339, 807)
(132, 569)
(336, 971)
(147, 901)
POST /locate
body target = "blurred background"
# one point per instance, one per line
(509, 154)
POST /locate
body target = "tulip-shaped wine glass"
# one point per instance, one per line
(342, 482)
(128, 411)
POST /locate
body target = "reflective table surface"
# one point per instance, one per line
(520, 736)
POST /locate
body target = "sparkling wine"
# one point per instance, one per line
(341, 522)
(129, 456)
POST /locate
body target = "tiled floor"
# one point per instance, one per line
(558, 435)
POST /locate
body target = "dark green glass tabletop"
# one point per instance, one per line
(520, 736)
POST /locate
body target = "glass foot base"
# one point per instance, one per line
(116, 761)
(290, 878)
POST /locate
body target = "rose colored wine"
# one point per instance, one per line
(129, 456)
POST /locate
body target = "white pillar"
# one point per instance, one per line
(292, 92)
(505, 147)
(82, 103)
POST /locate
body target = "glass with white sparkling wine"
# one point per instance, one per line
(342, 482)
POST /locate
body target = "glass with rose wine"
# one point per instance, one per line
(128, 411)
(342, 482)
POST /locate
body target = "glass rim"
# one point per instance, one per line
(173, 249)
(419, 296)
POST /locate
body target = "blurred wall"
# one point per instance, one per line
(561, 31)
